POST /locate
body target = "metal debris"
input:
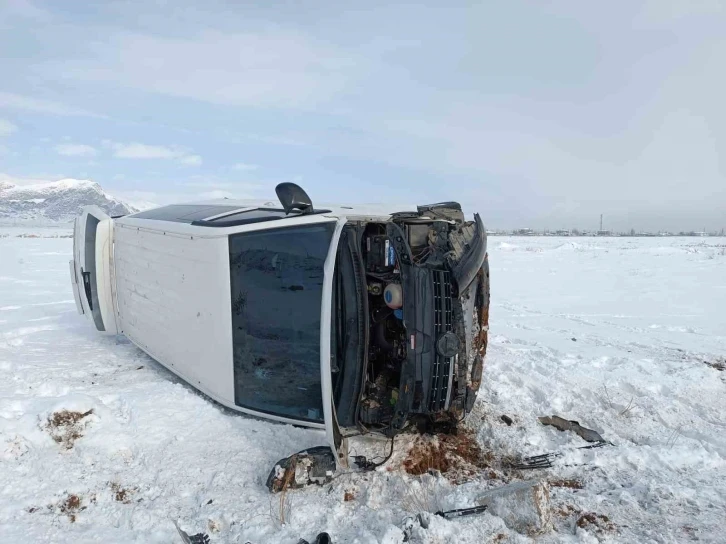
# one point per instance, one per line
(312, 466)
(564, 425)
(546, 460)
(451, 514)
(199, 538)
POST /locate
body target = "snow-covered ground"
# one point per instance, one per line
(615, 333)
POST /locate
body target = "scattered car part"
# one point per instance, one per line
(546, 460)
(423, 520)
(199, 538)
(322, 538)
(312, 466)
(451, 514)
(564, 425)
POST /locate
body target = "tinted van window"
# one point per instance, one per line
(276, 281)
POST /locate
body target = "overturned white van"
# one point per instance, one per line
(331, 318)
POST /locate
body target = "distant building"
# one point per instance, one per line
(524, 232)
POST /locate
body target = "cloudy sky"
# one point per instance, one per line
(540, 113)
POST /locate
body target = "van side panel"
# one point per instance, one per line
(174, 303)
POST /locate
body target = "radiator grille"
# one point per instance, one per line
(442, 323)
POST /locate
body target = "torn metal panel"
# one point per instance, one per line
(481, 336)
(564, 425)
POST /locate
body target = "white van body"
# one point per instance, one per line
(165, 285)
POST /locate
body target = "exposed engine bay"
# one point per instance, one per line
(387, 349)
(418, 366)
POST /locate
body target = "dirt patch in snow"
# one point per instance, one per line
(690, 532)
(70, 506)
(458, 457)
(718, 364)
(65, 426)
(122, 494)
(597, 523)
(574, 518)
(570, 484)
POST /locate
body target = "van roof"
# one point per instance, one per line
(220, 211)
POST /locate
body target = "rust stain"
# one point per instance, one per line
(482, 338)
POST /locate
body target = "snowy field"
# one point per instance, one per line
(624, 335)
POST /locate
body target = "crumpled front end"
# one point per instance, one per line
(475, 304)
(445, 280)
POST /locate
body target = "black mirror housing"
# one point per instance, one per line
(293, 197)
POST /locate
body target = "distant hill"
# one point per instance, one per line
(54, 203)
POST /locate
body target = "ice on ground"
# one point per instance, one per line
(98, 443)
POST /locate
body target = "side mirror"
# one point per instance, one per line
(312, 466)
(292, 197)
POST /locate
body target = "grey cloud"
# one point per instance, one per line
(541, 113)
(265, 68)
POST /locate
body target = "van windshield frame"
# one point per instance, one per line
(276, 287)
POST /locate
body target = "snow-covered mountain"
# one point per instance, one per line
(54, 202)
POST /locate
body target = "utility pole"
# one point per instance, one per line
(601, 222)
